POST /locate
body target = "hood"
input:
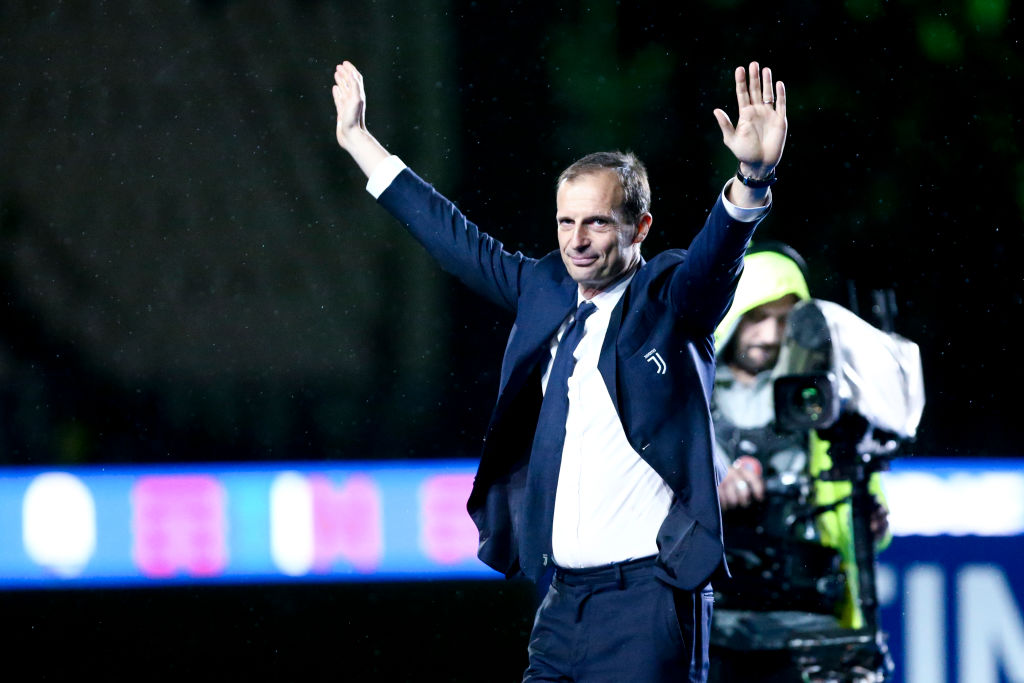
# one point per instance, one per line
(767, 276)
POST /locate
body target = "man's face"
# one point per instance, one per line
(759, 335)
(597, 244)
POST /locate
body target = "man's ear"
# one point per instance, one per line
(642, 227)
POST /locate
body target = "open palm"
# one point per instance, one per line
(759, 135)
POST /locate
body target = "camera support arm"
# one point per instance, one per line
(856, 466)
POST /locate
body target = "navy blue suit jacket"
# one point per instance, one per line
(657, 361)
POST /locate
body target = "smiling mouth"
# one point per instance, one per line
(582, 260)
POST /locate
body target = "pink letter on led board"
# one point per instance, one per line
(179, 523)
(347, 523)
(449, 535)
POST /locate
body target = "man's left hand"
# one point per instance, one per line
(760, 132)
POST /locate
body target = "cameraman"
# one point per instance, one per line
(766, 476)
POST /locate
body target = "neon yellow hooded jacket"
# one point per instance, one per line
(768, 276)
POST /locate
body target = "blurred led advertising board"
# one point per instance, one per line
(951, 585)
(123, 526)
(366, 521)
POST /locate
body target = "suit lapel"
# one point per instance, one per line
(607, 364)
(529, 343)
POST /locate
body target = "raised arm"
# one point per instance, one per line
(458, 245)
(760, 132)
(704, 286)
(353, 136)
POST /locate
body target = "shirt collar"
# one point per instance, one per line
(607, 300)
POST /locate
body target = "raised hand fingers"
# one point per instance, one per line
(754, 83)
(780, 99)
(342, 89)
(348, 77)
(767, 91)
(348, 91)
(742, 93)
(342, 76)
(349, 100)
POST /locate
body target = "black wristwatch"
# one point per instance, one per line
(767, 181)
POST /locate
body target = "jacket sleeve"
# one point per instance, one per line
(458, 245)
(702, 287)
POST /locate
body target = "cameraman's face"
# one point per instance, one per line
(759, 335)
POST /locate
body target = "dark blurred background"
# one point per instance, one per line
(190, 269)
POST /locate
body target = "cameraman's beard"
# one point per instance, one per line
(765, 357)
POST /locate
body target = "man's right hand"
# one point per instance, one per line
(350, 101)
(353, 136)
(742, 484)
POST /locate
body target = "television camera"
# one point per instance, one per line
(861, 389)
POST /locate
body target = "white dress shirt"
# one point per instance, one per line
(609, 503)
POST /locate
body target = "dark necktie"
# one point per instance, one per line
(546, 455)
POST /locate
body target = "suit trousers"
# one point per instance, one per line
(620, 623)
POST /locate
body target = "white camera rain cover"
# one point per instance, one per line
(879, 373)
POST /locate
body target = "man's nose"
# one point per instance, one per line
(773, 330)
(579, 238)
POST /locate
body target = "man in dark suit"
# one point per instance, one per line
(597, 472)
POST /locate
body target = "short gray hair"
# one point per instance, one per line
(636, 191)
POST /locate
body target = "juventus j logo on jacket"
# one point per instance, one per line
(653, 356)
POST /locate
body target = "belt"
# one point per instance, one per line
(621, 573)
